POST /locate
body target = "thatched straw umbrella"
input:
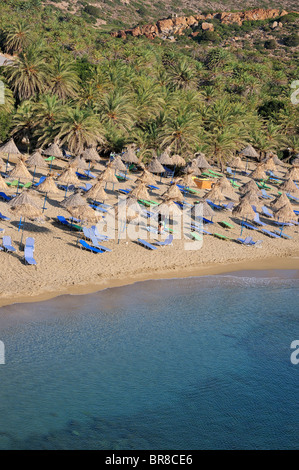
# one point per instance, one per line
(140, 192)
(269, 163)
(187, 180)
(90, 154)
(249, 151)
(108, 175)
(296, 162)
(2, 164)
(227, 188)
(174, 193)
(244, 210)
(84, 213)
(165, 158)
(53, 151)
(126, 210)
(289, 186)
(155, 166)
(36, 160)
(259, 172)
(215, 194)
(168, 208)
(252, 198)
(285, 214)
(201, 162)
(97, 192)
(69, 177)
(177, 160)
(130, 156)
(75, 200)
(79, 162)
(117, 164)
(20, 171)
(279, 202)
(10, 148)
(206, 209)
(250, 186)
(277, 161)
(191, 167)
(293, 174)
(25, 206)
(237, 163)
(147, 178)
(49, 186)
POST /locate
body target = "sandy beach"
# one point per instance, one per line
(64, 268)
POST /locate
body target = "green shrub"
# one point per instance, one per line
(92, 11)
(291, 41)
(270, 44)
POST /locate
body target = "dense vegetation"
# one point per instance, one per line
(73, 83)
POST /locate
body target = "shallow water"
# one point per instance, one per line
(200, 363)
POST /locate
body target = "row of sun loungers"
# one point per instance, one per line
(28, 249)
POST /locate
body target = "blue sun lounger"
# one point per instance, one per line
(87, 187)
(168, 241)
(146, 244)
(200, 230)
(247, 225)
(292, 198)
(41, 180)
(257, 220)
(214, 206)
(265, 195)
(3, 217)
(267, 212)
(4, 197)
(270, 234)
(98, 235)
(7, 245)
(86, 246)
(282, 234)
(91, 235)
(152, 187)
(30, 243)
(246, 241)
(29, 257)
(62, 220)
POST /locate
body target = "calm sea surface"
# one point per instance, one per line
(200, 363)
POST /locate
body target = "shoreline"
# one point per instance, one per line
(265, 264)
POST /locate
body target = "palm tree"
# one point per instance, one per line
(78, 128)
(182, 75)
(8, 103)
(23, 121)
(63, 80)
(17, 37)
(116, 110)
(28, 74)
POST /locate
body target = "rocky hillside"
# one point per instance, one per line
(122, 14)
(168, 28)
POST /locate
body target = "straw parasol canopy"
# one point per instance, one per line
(130, 156)
(279, 202)
(20, 171)
(117, 164)
(2, 164)
(244, 210)
(168, 208)
(237, 163)
(49, 186)
(90, 154)
(252, 198)
(191, 167)
(97, 192)
(53, 151)
(249, 151)
(207, 211)
(10, 148)
(84, 213)
(177, 160)
(108, 175)
(293, 173)
(269, 163)
(285, 213)
(259, 172)
(250, 186)
(174, 193)
(3, 185)
(140, 192)
(79, 162)
(187, 180)
(155, 166)
(227, 188)
(289, 186)
(36, 159)
(25, 206)
(147, 178)
(165, 158)
(215, 194)
(277, 161)
(201, 162)
(75, 200)
(68, 176)
(128, 209)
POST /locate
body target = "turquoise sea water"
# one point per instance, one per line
(201, 363)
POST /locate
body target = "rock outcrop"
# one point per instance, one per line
(177, 25)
